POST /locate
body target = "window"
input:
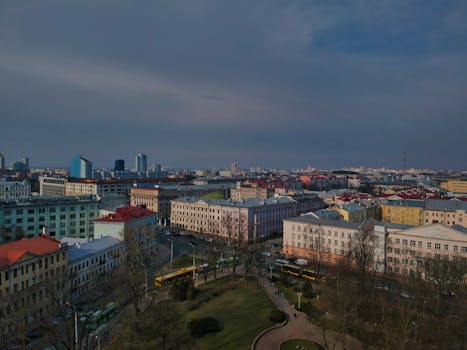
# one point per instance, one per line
(412, 243)
(456, 248)
(420, 244)
(428, 245)
(398, 241)
(446, 247)
(464, 250)
(404, 242)
(437, 246)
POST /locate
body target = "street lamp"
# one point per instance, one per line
(270, 269)
(98, 342)
(145, 278)
(299, 296)
(76, 324)
(171, 251)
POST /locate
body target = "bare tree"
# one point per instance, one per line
(362, 252)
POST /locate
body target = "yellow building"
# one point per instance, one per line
(404, 212)
(454, 186)
(26, 268)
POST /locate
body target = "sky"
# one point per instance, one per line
(200, 84)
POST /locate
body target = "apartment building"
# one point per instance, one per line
(310, 237)
(404, 212)
(153, 197)
(79, 187)
(249, 220)
(448, 212)
(13, 189)
(157, 197)
(408, 249)
(247, 190)
(51, 186)
(60, 216)
(454, 186)
(90, 261)
(31, 270)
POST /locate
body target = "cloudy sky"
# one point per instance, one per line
(205, 83)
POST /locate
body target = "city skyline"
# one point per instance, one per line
(199, 85)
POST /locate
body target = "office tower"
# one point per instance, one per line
(81, 167)
(2, 161)
(119, 165)
(26, 163)
(141, 163)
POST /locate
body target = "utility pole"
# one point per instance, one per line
(76, 324)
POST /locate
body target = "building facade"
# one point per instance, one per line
(407, 251)
(13, 189)
(448, 212)
(247, 220)
(51, 186)
(119, 165)
(154, 198)
(454, 186)
(247, 190)
(90, 262)
(59, 216)
(403, 212)
(81, 167)
(309, 237)
(141, 163)
(26, 267)
(77, 187)
(128, 217)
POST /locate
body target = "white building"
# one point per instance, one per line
(13, 189)
(51, 186)
(127, 217)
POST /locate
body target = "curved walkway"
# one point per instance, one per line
(296, 327)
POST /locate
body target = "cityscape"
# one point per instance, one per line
(233, 175)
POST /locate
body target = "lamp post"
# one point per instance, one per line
(270, 269)
(98, 342)
(145, 279)
(75, 340)
(299, 296)
(171, 251)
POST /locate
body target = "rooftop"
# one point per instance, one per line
(10, 253)
(81, 251)
(311, 219)
(126, 214)
(41, 201)
(247, 203)
(445, 205)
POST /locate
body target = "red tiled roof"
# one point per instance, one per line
(126, 214)
(12, 252)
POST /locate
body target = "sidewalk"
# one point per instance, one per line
(297, 327)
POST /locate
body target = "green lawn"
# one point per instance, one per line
(183, 261)
(242, 309)
(295, 344)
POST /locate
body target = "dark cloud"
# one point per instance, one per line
(278, 84)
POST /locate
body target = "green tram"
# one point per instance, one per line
(101, 316)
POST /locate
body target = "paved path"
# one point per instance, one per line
(296, 327)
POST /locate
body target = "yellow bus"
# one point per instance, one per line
(172, 277)
(300, 272)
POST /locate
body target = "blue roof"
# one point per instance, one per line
(79, 252)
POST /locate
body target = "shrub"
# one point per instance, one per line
(277, 316)
(203, 325)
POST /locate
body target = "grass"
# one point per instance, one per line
(183, 261)
(295, 344)
(241, 307)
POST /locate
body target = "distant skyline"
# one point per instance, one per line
(200, 84)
